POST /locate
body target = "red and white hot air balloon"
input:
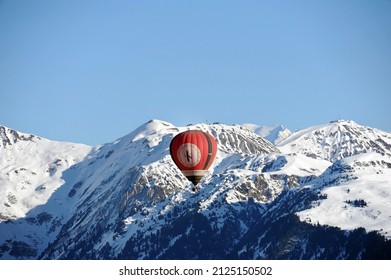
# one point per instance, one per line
(193, 151)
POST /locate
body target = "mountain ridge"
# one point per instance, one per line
(126, 199)
(336, 140)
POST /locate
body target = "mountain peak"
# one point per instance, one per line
(274, 134)
(344, 121)
(10, 136)
(151, 127)
(336, 140)
(147, 131)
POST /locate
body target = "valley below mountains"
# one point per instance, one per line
(323, 192)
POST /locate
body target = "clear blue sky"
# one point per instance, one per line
(93, 71)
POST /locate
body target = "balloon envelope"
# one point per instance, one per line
(193, 151)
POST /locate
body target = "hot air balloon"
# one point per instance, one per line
(193, 151)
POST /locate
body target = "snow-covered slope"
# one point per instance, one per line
(31, 169)
(356, 192)
(127, 199)
(274, 134)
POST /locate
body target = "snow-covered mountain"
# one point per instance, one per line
(127, 199)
